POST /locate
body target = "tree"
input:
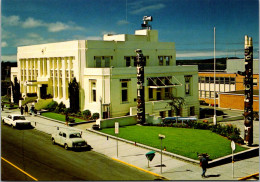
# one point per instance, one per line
(16, 91)
(74, 95)
(177, 103)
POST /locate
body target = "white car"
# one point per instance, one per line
(16, 120)
(68, 139)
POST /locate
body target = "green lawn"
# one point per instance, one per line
(59, 117)
(182, 141)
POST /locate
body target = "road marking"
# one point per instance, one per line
(19, 169)
(249, 176)
(139, 168)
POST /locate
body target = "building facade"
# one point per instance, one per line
(106, 73)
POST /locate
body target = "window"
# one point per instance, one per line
(93, 91)
(135, 61)
(144, 61)
(158, 94)
(160, 60)
(107, 62)
(64, 135)
(124, 87)
(167, 60)
(150, 93)
(127, 61)
(167, 93)
(187, 84)
(192, 111)
(254, 81)
(98, 62)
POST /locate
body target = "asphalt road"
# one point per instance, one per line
(32, 151)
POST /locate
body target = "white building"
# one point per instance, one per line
(106, 73)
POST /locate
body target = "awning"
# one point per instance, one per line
(158, 83)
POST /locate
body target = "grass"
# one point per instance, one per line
(59, 117)
(182, 141)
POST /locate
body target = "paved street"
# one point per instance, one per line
(175, 169)
(33, 152)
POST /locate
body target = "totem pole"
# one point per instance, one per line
(248, 101)
(140, 87)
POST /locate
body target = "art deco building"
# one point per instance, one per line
(106, 73)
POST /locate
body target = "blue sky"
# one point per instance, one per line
(188, 23)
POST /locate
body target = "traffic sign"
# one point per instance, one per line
(161, 136)
(116, 127)
(233, 145)
(150, 155)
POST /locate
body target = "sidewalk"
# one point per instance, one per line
(129, 153)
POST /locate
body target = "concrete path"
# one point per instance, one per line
(128, 153)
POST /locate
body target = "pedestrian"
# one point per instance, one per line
(26, 110)
(2, 104)
(66, 119)
(21, 109)
(32, 109)
(204, 164)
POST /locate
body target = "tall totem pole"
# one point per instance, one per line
(248, 101)
(140, 87)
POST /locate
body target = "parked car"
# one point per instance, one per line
(69, 139)
(16, 121)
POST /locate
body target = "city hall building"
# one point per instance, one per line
(106, 73)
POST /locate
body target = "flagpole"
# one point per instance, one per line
(215, 117)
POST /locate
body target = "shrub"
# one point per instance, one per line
(67, 111)
(60, 108)
(52, 106)
(95, 115)
(86, 114)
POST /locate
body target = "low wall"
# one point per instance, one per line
(123, 121)
(210, 120)
(152, 119)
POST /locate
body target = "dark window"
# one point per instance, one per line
(135, 61)
(192, 111)
(160, 60)
(128, 61)
(187, 85)
(150, 93)
(107, 62)
(98, 62)
(124, 87)
(64, 135)
(167, 60)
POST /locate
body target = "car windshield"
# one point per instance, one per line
(75, 135)
(19, 118)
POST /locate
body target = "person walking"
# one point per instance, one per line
(26, 110)
(204, 164)
(21, 109)
(2, 104)
(66, 119)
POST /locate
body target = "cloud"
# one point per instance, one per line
(33, 39)
(148, 8)
(4, 44)
(122, 22)
(12, 58)
(57, 27)
(31, 23)
(108, 32)
(11, 20)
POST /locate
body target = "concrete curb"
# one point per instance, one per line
(216, 162)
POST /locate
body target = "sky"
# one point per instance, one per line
(188, 23)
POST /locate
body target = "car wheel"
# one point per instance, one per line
(53, 141)
(13, 126)
(4, 122)
(66, 146)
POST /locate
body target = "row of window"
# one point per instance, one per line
(207, 94)
(154, 93)
(105, 61)
(218, 80)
